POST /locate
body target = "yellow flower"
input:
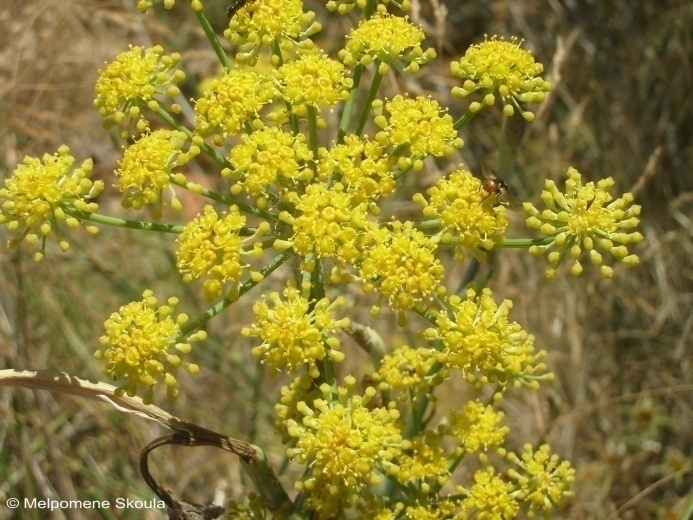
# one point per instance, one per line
(584, 218)
(344, 442)
(230, 101)
(295, 333)
(328, 224)
(543, 478)
(134, 80)
(490, 497)
(41, 193)
(399, 263)
(424, 463)
(311, 80)
(302, 388)
(503, 67)
(474, 224)
(147, 168)
(476, 427)
(418, 123)
(361, 165)
(141, 341)
(266, 22)
(146, 5)
(404, 371)
(386, 39)
(268, 156)
(210, 246)
(477, 337)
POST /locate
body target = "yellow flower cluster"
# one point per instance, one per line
(328, 223)
(503, 67)
(302, 388)
(266, 22)
(478, 338)
(583, 218)
(141, 342)
(405, 371)
(210, 246)
(400, 262)
(424, 462)
(476, 427)
(229, 101)
(269, 155)
(147, 168)
(472, 223)
(362, 166)
(295, 332)
(418, 123)
(44, 192)
(346, 6)
(345, 442)
(133, 81)
(543, 478)
(386, 39)
(311, 80)
(490, 497)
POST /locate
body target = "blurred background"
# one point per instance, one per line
(620, 408)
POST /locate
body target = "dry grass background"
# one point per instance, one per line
(621, 406)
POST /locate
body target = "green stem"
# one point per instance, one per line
(526, 243)
(247, 208)
(464, 120)
(372, 92)
(119, 222)
(313, 131)
(209, 32)
(349, 105)
(212, 153)
(233, 296)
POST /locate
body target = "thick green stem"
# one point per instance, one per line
(372, 93)
(349, 105)
(119, 222)
(464, 120)
(209, 33)
(526, 243)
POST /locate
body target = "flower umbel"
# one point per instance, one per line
(41, 193)
(346, 444)
(142, 347)
(503, 67)
(478, 338)
(296, 333)
(583, 218)
(476, 427)
(472, 223)
(134, 80)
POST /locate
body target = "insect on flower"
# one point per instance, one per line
(235, 6)
(493, 185)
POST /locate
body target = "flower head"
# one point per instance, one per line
(264, 22)
(405, 370)
(142, 346)
(544, 479)
(311, 80)
(295, 333)
(229, 101)
(361, 165)
(386, 39)
(328, 223)
(424, 461)
(491, 496)
(420, 124)
(496, 65)
(134, 80)
(147, 168)
(476, 427)
(478, 338)
(344, 442)
(400, 263)
(585, 217)
(41, 193)
(210, 247)
(474, 223)
(269, 156)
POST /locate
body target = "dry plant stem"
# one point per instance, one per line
(252, 457)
